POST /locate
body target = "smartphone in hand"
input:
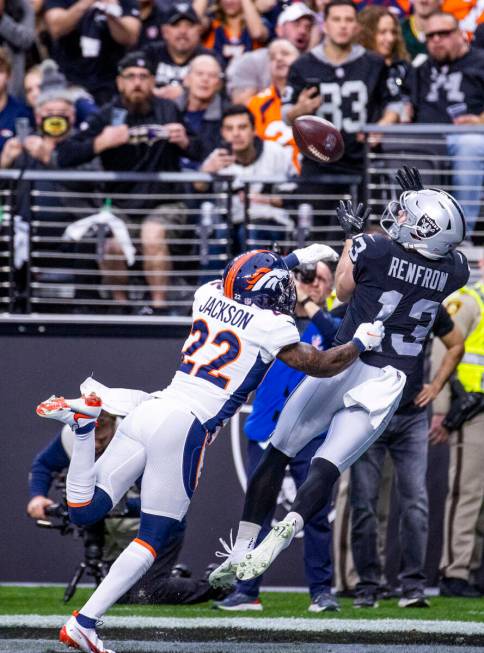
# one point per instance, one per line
(22, 129)
(313, 83)
(225, 145)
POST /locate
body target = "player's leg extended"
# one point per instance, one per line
(351, 432)
(174, 441)
(304, 416)
(114, 473)
(86, 503)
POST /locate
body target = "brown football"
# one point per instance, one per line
(318, 139)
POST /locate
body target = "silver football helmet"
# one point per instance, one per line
(429, 221)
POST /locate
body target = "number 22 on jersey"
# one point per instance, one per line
(204, 366)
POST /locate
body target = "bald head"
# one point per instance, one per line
(203, 80)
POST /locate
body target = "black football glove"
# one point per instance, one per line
(351, 221)
(409, 178)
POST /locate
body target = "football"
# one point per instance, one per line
(318, 139)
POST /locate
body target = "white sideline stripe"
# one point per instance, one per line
(276, 624)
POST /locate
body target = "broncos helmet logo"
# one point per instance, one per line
(265, 278)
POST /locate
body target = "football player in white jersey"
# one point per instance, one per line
(240, 325)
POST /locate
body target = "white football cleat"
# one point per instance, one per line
(225, 574)
(257, 561)
(74, 412)
(73, 635)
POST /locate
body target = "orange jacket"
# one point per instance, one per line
(469, 14)
(266, 108)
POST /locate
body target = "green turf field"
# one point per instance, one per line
(48, 600)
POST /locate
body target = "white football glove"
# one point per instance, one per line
(311, 254)
(369, 335)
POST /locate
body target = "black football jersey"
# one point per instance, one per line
(167, 71)
(404, 290)
(442, 325)
(353, 93)
(440, 92)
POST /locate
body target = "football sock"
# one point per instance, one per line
(85, 622)
(316, 490)
(81, 477)
(296, 518)
(246, 538)
(129, 566)
(264, 485)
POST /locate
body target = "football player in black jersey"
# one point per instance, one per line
(341, 82)
(449, 88)
(402, 280)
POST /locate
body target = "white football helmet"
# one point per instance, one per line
(433, 222)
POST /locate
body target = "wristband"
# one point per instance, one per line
(305, 301)
(359, 345)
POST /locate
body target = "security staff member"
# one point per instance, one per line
(464, 508)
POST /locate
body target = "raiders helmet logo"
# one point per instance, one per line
(426, 227)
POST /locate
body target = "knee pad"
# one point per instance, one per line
(95, 510)
(156, 530)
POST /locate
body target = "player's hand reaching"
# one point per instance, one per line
(409, 178)
(369, 335)
(351, 220)
(311, 254)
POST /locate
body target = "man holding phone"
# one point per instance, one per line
(152, 138)
(341, 82)
(242, 155)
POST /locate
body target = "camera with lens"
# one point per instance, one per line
(305, 273)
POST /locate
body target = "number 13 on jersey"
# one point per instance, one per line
(198, 356)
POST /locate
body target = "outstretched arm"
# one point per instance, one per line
(310, 255)
(310, 360)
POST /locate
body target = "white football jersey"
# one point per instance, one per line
(230, 348)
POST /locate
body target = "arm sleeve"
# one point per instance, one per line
(79, 148)
(49, 461)
(291, 261)
(19, 34)
(443, 322)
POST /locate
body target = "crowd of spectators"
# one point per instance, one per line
(153, 86)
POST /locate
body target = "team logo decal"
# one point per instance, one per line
(426, 227)
(265, 278)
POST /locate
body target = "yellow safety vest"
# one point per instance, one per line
(330, 300)
(471, 369)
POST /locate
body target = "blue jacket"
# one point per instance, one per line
(281, 379)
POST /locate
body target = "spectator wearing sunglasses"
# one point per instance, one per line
(448, 88)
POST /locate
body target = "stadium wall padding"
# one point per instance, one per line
(36, 366)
